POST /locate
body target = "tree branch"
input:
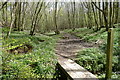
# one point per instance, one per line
(97, 7)
(4, 4)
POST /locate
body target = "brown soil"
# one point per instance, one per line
(21, 49)
(69, 46)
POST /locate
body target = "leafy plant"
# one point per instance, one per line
(92, 59)
(40, 63)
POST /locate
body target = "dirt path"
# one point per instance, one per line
(69, 46)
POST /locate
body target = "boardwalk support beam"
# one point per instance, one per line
(109, 54)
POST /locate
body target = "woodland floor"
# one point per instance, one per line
(69, 45)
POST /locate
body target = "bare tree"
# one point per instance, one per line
(87, 5)
(104, 11)
(3, 4)
(95, 17)
(35, 18)
(13, 19)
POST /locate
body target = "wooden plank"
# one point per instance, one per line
(65, 69)
(109, 53)
(75, 71)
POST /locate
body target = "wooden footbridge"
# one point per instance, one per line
(69, 70)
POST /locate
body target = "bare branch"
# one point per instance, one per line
(4, 4)
(97, 7)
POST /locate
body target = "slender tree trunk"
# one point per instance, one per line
(95, 18)
(55, 18)
(6, 16)
(69, 21)
(23, 16)
(100, 17)
(11, 12)
(73, 15)
(19, 16)
(16, 12)
(11, 26)
(110, 15)
(84, 18)
(3, 14)
(35, 20)
(68, 15)
(116, 12)
(12, 22)
(105, 13)
(88, 15)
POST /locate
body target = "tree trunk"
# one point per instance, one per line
(95, 18)
(73, 15)
(68, 15)
(19, 16)
(110, 15)
(13, 20)
(105, 13)
(6, 16)
(23, 16)
(116, 12)
(100, 18)
(3, 14)
(11, 8)
(35, 19)
(55, 18)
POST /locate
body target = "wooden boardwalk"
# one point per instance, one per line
(72, 71)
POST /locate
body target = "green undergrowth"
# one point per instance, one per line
(94, 59)
(89, 34)
(25, 56)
